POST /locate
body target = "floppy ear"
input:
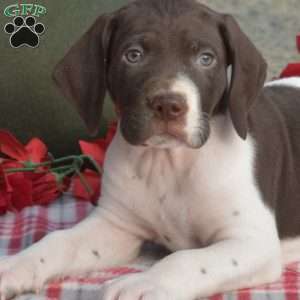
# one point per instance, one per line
(81, 74)
(248, 73)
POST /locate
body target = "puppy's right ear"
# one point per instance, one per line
(81, 74)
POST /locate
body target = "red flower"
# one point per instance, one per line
(93, 180)
(293, 69)
(11, 164)
(35, 151)
(4, 184)
(22, 189)
(28, 188)
(96, 150)
(25, 181)
(5, 190)
(112, 129)
(46, 188)
(21, 194)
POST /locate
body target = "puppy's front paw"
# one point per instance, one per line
(18, 274)
(135, 287)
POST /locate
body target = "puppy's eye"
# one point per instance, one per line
(206, 59)
(133, 56)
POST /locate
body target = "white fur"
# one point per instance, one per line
(290, 249)
(184, 85)
(203, 204)
(291, 82)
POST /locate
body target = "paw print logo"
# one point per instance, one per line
(24, 32)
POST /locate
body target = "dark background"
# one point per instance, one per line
(31, 105)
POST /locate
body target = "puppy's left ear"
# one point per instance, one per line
(81, 74)
(249, 71)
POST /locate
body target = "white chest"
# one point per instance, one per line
(185, 197)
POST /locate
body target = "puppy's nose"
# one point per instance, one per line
(167, 106)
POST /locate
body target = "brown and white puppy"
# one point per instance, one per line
(205, 160)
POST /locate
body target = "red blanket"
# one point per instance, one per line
(18, 231)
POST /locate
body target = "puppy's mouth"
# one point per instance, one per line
(147, 131)
(164, 141)
(170, 135)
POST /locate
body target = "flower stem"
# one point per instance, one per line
(84, 182)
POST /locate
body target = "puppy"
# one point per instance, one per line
(206, 161)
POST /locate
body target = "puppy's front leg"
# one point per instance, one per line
(237, 262)
(100, 241)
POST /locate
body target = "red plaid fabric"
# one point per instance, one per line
(19, 231)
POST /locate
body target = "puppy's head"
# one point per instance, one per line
(165, 64)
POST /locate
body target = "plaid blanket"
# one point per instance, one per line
(18, 231)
